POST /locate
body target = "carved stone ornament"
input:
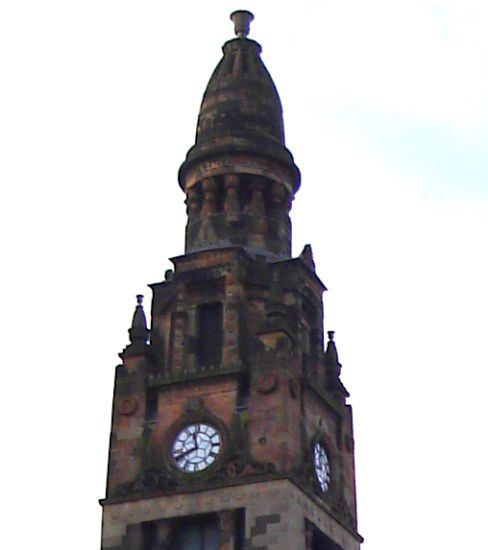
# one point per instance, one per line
(267, 383)
(161, 479)
(194, 405)
(237, 468)
(151, 479)
(128, 406)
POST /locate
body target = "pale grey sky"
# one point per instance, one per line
(386, 112)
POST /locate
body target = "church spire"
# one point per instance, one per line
(233, 408)
(239, 177)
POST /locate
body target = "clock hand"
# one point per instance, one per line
(181, 455)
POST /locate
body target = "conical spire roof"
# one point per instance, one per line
(241, 98)
(241, 110)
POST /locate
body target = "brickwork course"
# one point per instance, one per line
(236, 348)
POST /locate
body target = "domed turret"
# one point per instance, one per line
(239, 177)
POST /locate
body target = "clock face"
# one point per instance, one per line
(196, 447)
(322, 466)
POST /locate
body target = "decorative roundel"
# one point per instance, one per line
(128, 406)
(267, 383)
(196, 447)
(322, 466)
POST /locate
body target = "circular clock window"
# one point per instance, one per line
(321, 466)
(196, 447)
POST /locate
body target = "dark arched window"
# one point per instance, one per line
(210, 334)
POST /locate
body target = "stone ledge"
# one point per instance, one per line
(188, 376)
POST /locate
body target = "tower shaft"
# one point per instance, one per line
(230, 425)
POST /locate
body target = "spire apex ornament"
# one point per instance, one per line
(333, 368)
(138, 332)
(307, 257)
(242, 22)
(139, 317)
(331, 356)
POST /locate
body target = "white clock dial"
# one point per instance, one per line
(196, 447)
(322, 466)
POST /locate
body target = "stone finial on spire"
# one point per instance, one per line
(242, 22)
(139, 318)
(138, 332)
(307, 256)
(331, 357)
(333, 368)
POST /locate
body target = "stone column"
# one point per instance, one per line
(193, 203)
(258, 212)
(231, 203)
(178, 334)
(209, 187)
(278, 192)
(206, 233)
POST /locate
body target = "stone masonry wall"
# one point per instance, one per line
(275, 515)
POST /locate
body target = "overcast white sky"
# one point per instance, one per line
(386, 112)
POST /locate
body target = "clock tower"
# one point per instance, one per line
(230, 426)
